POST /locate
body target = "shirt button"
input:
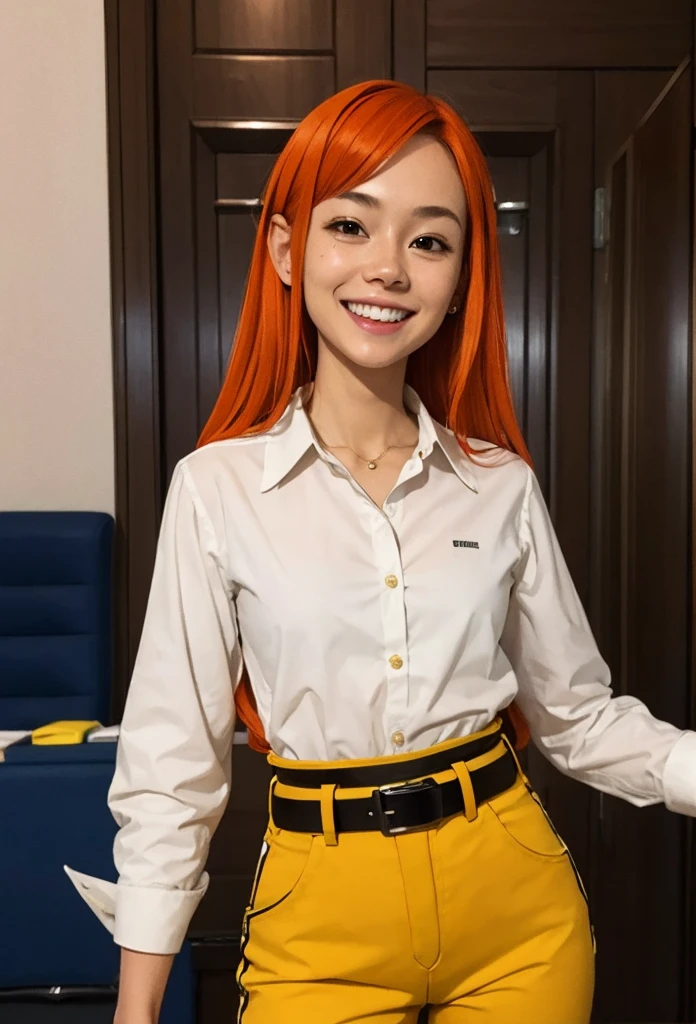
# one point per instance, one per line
(391, 580)
(395, 661)
(398, 739)
(420, 455)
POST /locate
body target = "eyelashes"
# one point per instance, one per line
(340, 222)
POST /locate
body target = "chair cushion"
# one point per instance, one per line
(54, 814)
(55, 617)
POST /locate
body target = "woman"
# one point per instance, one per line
(361, 531)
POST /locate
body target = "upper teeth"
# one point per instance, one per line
(383, 313)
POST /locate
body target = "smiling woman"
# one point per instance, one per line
(385, 254)
(373, 618)
(418, 196)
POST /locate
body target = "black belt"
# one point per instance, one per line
(394, 808)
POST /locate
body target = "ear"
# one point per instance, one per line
(278, 241)
(459, 296)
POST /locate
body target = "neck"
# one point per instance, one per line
(362, 409)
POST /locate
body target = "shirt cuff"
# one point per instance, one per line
(143, 918)
(679, 776)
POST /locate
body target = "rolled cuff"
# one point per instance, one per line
(679, 776)
(143, 918)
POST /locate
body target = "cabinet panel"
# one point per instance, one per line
(574, 34)
(271, 25)
(225, 88)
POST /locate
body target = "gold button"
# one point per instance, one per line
(420, 455)
(395, 661)
(391, 580)
(398, 739)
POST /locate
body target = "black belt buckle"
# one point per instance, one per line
(424, 798)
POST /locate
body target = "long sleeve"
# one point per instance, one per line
(173, 765)
(612, 743)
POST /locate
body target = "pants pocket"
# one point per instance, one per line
(578, 877)
(283, 863)
(526, 822)
(285, 866)
(521, 815)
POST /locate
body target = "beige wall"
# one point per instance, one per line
(56, 404)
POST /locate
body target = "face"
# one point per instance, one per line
(383, 261)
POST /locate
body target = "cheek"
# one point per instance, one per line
(437, 283)
(320, 282)
(324, 270)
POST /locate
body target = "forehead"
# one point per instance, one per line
(422, 171)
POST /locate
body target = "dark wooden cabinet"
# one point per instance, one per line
(565, 100)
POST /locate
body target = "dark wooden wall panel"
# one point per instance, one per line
(641, 502)
(499, 99)
(259, 87)
(661, 403)
(271, 25)
(511, 181)
(621, 100)
(569, 423)
(207, 270)
(363, 41)
(409, 42)
(178, 345)
(130, 50)
(544, 33)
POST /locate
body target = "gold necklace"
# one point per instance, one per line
(371, 463)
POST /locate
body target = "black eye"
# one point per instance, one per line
(429, 243)
(351, 227)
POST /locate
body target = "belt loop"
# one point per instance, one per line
(464, 776)
(328, 822)
(271, 788)
(510, 747)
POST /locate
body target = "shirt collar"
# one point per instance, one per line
(292, 436)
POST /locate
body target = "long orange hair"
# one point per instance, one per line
(460, 374)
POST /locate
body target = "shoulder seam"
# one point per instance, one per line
(227, 442)
(524, 508)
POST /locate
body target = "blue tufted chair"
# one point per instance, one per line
(55, 663)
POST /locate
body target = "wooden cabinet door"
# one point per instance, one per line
(641, 447)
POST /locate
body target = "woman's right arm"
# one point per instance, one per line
(173, 769)
(141, 987)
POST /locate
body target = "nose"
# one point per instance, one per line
(384, 263)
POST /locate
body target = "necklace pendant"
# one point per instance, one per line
(372, 465)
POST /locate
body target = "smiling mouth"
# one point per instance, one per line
(378, 314)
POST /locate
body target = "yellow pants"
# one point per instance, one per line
(484, 920)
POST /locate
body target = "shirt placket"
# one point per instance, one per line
(384, 528)
(389, 567)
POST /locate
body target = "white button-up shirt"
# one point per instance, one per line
(365, 631)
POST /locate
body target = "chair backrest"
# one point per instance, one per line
(55, 617)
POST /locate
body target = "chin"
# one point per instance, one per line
(375, 360)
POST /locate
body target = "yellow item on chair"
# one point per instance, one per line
(64, 732)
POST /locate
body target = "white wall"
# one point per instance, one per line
(56, 402)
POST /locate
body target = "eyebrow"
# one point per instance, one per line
(363, 199)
